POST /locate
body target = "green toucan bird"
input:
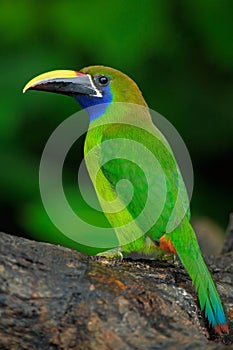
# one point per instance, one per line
(118, 112)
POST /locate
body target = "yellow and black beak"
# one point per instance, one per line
(67, 82)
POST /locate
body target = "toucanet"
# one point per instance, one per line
(118, 112)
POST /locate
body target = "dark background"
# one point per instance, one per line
(179, 52)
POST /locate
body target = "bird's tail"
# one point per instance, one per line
(185, 243)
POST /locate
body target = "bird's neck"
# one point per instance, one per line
(120, 113)
(95, 109)
(96, 106)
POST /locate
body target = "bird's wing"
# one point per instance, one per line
(144, 159)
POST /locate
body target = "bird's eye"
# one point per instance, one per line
(103, 80)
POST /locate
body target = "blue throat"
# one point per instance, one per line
(101, 103)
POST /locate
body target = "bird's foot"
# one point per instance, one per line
(113, 255)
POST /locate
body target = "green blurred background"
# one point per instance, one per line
(179, 52)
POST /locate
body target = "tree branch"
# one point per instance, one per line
(52, 297)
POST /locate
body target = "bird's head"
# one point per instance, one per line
(95, 85)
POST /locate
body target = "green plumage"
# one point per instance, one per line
(152, 170)
(183, 238)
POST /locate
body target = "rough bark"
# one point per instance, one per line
(56, 298)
